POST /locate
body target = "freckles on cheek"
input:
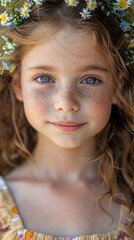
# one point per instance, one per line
(36, 102)
(99, 103)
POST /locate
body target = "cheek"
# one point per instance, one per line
(36, 103)
(98, 104)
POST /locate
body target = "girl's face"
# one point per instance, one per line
(66, 80)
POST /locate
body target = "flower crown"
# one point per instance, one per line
(16, 12)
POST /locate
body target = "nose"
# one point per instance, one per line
(67, 101)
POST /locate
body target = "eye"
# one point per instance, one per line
(91, 80)
(43, 79)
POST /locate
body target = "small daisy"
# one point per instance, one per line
(123, 4)
(85, 13)
(25, 12)
(4, 18)
(91, 5)
(72, 3)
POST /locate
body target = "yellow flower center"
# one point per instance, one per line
(25, 12)
(72, 2)
(91, 5)
(3, 18)
(123, 4)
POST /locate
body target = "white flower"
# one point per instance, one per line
(123, 4)
(4, 18)
(91, 5)
(85, 13)
(25, 12)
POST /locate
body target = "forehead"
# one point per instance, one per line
(66, 48)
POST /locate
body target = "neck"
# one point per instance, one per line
(64, 164)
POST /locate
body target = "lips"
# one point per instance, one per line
(67, 126)
(67, 123)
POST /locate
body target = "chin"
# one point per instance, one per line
(68, 144)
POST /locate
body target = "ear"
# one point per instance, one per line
(16, 86)
(17, 89)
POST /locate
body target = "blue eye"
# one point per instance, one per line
(91, 80)
(43, 79)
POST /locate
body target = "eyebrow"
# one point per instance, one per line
(85, 68)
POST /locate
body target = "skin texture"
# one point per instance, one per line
(61, 183)
(66, 97)
(70, 94)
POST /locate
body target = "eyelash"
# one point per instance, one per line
(96, 82)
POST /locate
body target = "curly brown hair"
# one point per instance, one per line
(115, 143)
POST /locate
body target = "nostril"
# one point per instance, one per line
(66, 109)
(66, 106)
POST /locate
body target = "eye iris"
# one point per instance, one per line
(90, 80)
(43, 79)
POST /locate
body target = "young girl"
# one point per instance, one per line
(67, 121)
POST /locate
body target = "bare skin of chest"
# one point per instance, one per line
(62, 209)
